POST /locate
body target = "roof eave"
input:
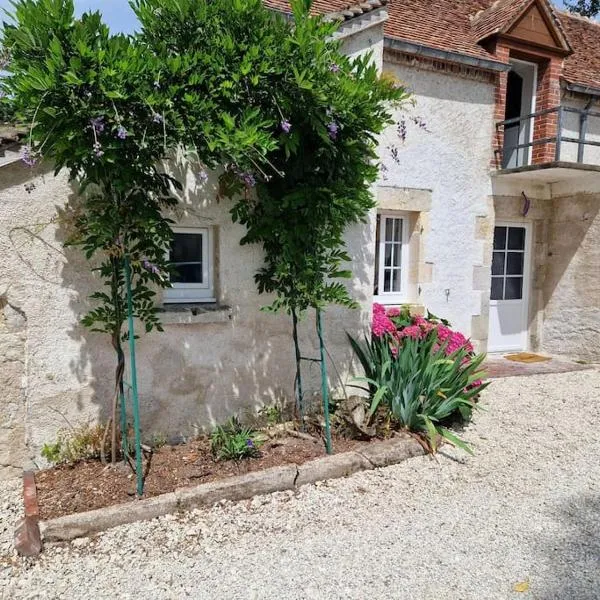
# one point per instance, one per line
(445, 55)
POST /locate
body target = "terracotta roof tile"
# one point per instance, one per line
(495, 18)
(342, 8)
(440, 24)
(583, 66)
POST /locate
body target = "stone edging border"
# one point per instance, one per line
(31, 531)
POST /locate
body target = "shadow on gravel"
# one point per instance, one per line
(574, 558)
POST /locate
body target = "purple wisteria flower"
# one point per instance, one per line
(249, 443)
(97, 148)
(401, 129)
(420, 123)
(334, 129)
(157, 118)
(334, 68)
(29, 156)
(202, 177)
(286, 126)
(122, 133)
(248, 179)
(98, 124)
(150, 267)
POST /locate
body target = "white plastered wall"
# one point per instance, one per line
(55, 374)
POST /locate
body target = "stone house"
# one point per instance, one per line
(488, 215)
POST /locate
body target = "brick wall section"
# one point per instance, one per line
(502, 53)
(548, 96)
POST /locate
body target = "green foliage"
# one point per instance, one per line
(586, 8)
(272, 413)
(233, 441)
(424, 388)
(72, 445)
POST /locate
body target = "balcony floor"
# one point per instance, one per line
(552, 172)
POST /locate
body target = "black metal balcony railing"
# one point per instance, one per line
(573, 136)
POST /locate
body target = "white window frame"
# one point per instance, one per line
(195, 292)
(401, 297)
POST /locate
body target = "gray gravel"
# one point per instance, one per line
(525, 508)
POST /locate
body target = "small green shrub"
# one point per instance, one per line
(422, 372)
(233, 441)
(80, 443)
(272, 413)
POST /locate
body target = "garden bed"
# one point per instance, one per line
(89, 485)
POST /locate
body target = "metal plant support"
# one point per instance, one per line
(134, 391)
(324, 385)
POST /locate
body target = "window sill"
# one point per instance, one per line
(189, 314)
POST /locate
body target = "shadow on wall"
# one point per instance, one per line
(571, 284)
(194, 375)
(573, 561)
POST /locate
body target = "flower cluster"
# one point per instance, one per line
(400, 325)
(29, 156)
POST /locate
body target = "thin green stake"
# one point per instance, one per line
(134, 390)
(299, 387)
(324, 385)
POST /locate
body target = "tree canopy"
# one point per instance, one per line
(586, 8)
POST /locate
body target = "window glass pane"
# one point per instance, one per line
(187, 273)
(498, 263)
(397, 255)
(516, 238)
(376, 286)
(396, 280)
(389, 230)
(497, 283)
(499, 238)
(387, 278)
(186, 247)
(514, 263)
(514, 288)
(388, 255)
(397, 230)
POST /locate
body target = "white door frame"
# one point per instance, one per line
(526, 283)
(528, 151)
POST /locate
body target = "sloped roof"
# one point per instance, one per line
(342, 9)
(503, 14)
(583, 66)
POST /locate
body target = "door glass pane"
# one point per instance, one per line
(497, 284)
(498, 263)
(499, 238)
(516, 238)
(514, 263)
(514, 288)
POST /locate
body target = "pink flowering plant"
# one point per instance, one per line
(420, 371)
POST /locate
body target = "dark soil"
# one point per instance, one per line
(88, 485)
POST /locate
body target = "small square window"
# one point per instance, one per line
(190, 259)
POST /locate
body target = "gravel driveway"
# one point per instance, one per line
(525, 508)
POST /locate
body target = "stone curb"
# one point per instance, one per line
(290, 477)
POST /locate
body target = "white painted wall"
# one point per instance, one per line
(453, 160)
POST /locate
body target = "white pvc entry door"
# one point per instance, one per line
(510, 288)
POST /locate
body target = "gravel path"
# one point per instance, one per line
(525, 508)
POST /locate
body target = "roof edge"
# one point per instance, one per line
(447, 55)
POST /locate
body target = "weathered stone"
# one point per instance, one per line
(276, 479)
(332, 467)
(84, 524)
(391, 452)
(28, 541)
